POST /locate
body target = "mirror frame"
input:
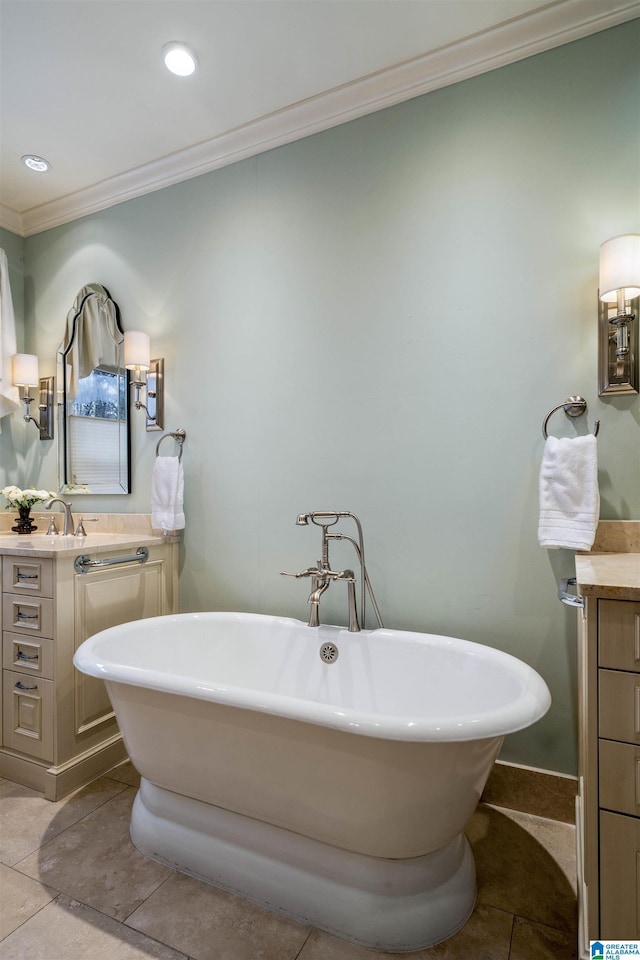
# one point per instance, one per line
(123, 484)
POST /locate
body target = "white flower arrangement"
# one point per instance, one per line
(17, 498)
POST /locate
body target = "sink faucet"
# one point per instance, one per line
(322, 575)
(68, 518)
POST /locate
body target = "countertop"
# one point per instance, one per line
(612, 569)
(35, 544)
(613, 576)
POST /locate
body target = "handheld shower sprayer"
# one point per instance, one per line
(322, 518)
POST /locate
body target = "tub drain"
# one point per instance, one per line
(329, 652)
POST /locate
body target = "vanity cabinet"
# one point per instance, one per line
(28, 656)
(608, 803)
(58, 727)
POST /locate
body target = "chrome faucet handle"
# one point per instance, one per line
(310, 572)
(80, 530)
(347, 575)
(52, 530)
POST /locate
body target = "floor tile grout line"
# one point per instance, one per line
(89, 906)
(75, 823)
(141, 933)
(511, 935)
(539, 923)
(31, 916)
(306, 941)
(548, 926)
(78, 899)
(125, 920)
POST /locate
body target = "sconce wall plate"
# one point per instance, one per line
(145, 374)
(617, 377)
(155, 395)
(44, 423)
(45, 406)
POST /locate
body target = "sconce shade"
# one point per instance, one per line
(25, 370)
(137, 350)
(620, 267)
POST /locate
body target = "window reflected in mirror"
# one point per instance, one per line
(94, 439)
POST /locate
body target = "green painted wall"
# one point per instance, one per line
(377, 318)
(12, 434)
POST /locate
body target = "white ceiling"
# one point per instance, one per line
(82, 83)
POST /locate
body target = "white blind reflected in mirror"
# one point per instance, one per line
(98, 451)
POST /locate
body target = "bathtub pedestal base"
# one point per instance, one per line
(391, 905)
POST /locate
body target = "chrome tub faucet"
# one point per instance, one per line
(322, 576)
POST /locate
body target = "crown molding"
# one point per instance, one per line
(551, 26)
(11, 220)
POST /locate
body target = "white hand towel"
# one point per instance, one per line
(569, 495)
(167, 492)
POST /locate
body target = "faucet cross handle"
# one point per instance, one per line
(340, 574)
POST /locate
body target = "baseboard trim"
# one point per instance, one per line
(542, 793)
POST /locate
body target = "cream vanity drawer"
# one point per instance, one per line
(619, 632)
(28, 714)
(619, 701)
(29, 615)
(619, 877)
(34, 655)
(619, 777)
(33, 577)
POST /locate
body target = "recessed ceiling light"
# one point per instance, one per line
(36, 163)
(179, 58)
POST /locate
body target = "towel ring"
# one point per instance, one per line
(573, 407)
(178, 435)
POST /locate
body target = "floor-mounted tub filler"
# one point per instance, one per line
(325, 774)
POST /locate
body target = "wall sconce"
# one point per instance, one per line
(618, 315)
(145, 373)
(25, 375)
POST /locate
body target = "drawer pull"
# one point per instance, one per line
(27, 656)
(27, 616)
(27, 576)
(23, 686)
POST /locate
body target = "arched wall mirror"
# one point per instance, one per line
(93, 436)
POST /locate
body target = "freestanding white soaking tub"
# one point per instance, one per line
(334, 792)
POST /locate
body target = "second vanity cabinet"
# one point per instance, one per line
(608, 807)
(58, 728)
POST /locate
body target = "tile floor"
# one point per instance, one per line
(73, 887)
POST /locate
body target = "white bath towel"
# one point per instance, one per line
(92, 336)
(9, 395)
(569, 495)
(167, 493)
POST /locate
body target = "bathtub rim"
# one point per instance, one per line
(528, 708)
